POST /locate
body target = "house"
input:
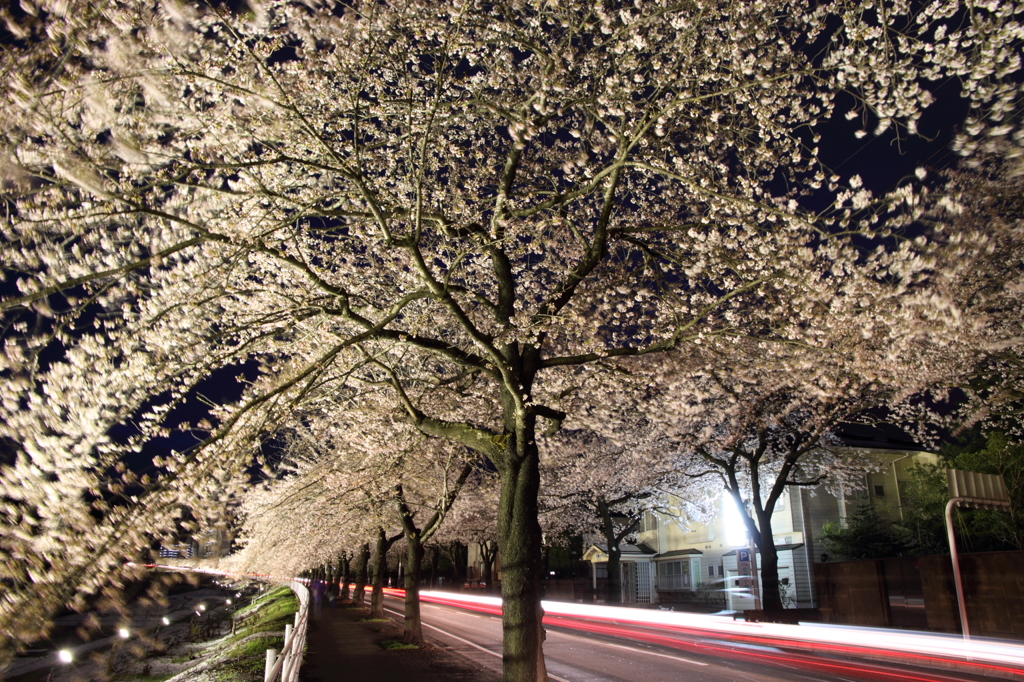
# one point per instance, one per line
(636, 567)
(677, 560)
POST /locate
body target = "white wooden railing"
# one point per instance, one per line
(287, 663)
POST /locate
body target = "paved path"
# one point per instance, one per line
(342, 649)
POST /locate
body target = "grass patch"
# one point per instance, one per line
(396, 645)
(142, 678)
(277, 610)
(374, 620)
(257, 647)
(247, 661)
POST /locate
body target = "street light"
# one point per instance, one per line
(166, 620)
(123, 633)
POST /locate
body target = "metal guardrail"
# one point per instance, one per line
(287, 663)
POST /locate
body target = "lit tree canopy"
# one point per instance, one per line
(465, 202)
(596, 485)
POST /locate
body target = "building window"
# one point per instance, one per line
(649, 523)
(879, 491)
(721, 571)
(674, 575)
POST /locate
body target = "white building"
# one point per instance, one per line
(677, 560)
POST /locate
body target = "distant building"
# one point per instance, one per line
(637, 570)
(677, 560)
(179, 551)
(210, 544)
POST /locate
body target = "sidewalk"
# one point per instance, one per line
(341, 649)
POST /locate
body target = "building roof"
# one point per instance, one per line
(640, 550)
(778, 548)
(876, 436)
(677, 553)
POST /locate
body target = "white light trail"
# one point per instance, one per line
(883, 641)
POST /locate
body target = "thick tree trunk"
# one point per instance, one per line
(614, 591)
(488, 578)
(362, 566)
(764, 540)
(488, 552)
(343, 566)
(519, 536)
(458, 575)
(771, 598)
(380, 564)
(413, 568)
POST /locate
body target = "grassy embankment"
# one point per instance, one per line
(205, 656)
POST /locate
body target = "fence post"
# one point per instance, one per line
(271, 660)
(288, 650)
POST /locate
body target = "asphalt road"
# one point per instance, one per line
(582, 651)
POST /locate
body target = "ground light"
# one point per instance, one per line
(123, 633)
(63, 656)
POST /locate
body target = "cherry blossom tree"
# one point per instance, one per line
(473, 519)
(604, 483)
(341, 482)
(757, 426)
(322, 497)
(418, 531)
(362, 565)
(465, 202)
(985, 191)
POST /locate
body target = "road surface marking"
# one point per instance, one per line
(475, 646)
(629, 648)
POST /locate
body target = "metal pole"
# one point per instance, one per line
(956, 567)
(755, 585)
